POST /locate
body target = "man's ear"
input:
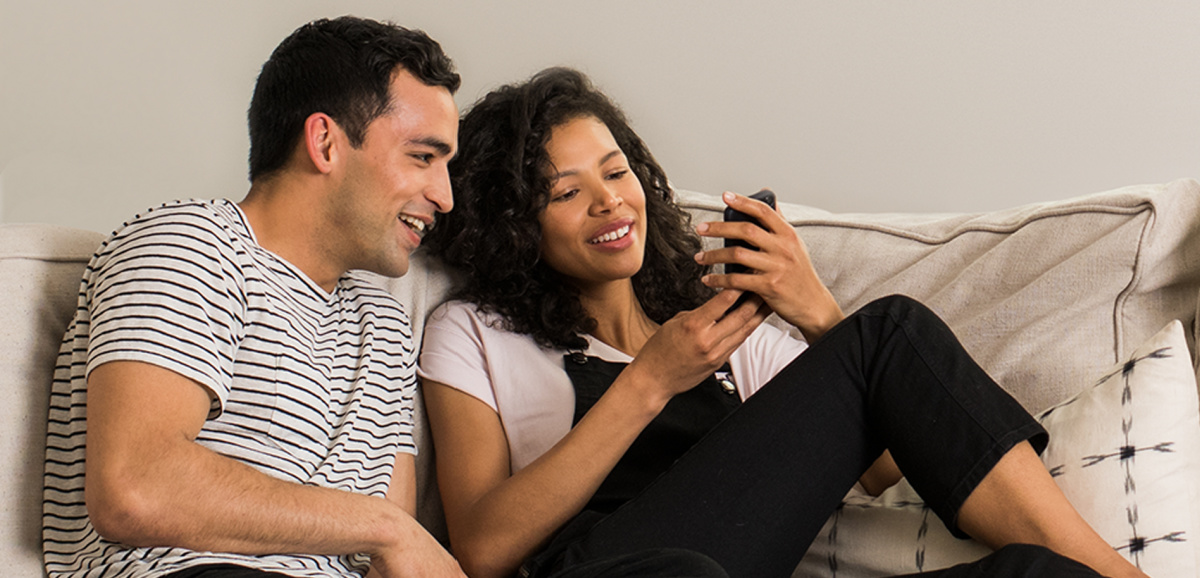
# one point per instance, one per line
(321, 141)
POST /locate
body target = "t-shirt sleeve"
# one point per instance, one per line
(453, 352)
(167, 291)
(765, 353)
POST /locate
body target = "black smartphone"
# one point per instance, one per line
(767, 196)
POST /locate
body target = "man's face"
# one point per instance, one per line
(395, 182)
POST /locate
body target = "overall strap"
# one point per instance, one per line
(686, 419)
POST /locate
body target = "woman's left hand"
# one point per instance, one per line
(781, 271)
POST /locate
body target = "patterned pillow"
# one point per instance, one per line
(1126, 452)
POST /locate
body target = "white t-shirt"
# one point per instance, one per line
(526, 384)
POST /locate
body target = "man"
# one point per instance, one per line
(246, 397)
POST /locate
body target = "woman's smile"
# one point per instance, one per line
(613, 236)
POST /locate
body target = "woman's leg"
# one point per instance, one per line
(1018, 502)
(754, 493)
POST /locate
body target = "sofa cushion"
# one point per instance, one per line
(1125, 452)
(40, 268)
(1041, 294)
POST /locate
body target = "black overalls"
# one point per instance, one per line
(750, 485)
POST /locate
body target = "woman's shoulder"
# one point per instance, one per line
(463, 315)
(458, 323)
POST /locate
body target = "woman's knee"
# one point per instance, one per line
(896, 306)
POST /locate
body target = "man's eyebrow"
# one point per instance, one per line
(435, 143)
(603, 159)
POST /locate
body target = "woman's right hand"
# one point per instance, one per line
(690, 346)
(497, 518)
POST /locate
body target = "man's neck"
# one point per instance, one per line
(283, 216)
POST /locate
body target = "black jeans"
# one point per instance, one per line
(754, 493)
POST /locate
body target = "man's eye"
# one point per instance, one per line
(423, 157)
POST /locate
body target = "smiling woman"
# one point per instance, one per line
(589, 421)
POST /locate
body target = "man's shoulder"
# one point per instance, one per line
(204, 241)
(191, 218)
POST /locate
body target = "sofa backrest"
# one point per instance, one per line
(40, 269)
(1044, 296)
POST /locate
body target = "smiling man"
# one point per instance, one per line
(232, 398)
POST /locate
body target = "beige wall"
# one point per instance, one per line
(931, 105)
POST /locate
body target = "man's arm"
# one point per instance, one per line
(148, 483)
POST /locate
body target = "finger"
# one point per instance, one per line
(740, 230)
(735, 327)
(771, 218)
(743, 312)
(758, 260)
(715, 308)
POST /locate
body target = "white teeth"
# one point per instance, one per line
(416, 224)
(611, 236)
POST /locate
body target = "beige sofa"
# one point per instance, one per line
(1046, 296)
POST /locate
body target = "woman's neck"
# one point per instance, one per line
(620, 320)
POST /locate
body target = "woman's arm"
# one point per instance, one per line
(497, 519)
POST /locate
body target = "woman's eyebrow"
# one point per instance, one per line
(571, 172)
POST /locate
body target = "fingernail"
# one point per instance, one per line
(702, 227)
(700, 257)
(729, 196)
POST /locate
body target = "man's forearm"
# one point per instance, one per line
(196, 499)
(148, 483)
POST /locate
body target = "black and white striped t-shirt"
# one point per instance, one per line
(308, 386)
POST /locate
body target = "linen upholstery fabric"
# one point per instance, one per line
(40, 268)
(1040, 295)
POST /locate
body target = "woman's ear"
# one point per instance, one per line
(321, 134)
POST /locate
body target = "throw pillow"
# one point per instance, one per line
(1125, 451)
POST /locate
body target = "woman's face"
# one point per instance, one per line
(594, 227)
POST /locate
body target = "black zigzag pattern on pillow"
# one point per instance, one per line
(1127, 454)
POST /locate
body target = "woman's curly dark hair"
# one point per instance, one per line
(500, 183)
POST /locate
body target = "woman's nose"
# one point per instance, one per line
(608, 198)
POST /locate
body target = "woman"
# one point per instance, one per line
(586, 393)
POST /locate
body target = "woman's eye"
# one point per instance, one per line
(617, 175)
(566, 196)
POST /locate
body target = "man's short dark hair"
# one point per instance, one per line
(341, 67)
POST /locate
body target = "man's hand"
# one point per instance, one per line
(416, 561)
